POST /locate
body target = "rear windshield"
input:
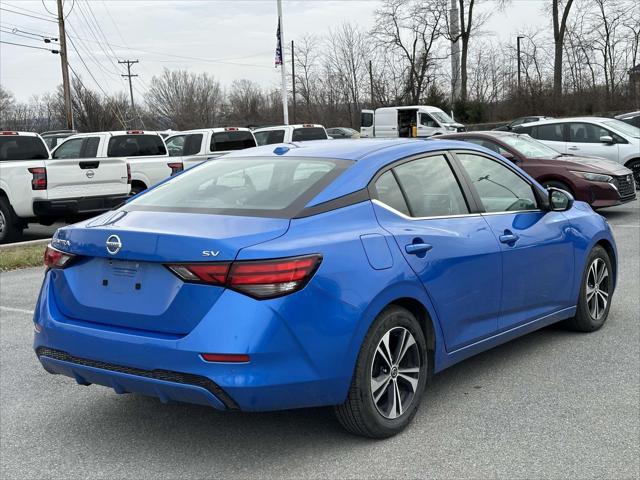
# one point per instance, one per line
(308, 133)
(268, 187)
(269, 137)
(135, 146)
(15, 147)
(223, 141)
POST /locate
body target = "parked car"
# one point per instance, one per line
(290, 133)
(320, 273)
(54, 137)
(342, 132)
(145, 152)
(598, 182)
(591, 136)
(411, 121)
(521, 121)
(36, 189)
(632, 118)
(193, 147)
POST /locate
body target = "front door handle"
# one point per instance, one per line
(509, 237)
(417, 248)
(573, 148)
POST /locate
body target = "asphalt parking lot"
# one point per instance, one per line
(552, 404)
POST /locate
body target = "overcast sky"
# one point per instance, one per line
(228, 39)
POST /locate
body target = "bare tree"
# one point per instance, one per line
(559, 29)
(185, 100)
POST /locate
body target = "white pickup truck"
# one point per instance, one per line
(191, 147)
(290, 133)
(144, 151)
(37, 189)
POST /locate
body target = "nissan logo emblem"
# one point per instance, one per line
(113, 244)
(90, 174)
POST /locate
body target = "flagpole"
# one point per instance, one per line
(283, 68)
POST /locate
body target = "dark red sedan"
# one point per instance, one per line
(599, 182)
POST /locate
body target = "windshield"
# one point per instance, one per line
(272, 187)
(623, 128)
(14, 147)
(528, 147)
(442, 117)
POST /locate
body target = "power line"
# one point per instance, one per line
(27, 15)
(29, 46)
(13, 30)
(21, 8)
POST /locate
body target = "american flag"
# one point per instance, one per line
(278, 46)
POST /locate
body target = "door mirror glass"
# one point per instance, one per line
(508, 155)
(606, 139)
(559, 200)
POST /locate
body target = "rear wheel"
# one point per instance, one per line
(389, 379)
(595, 294)
(136, 188)
(10, 226)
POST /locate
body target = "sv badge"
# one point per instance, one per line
(210, 253)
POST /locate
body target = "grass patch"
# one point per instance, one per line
(21, 257)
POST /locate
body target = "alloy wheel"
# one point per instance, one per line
(3, 222)
(395, 372)
(597, 288)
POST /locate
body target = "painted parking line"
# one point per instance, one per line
(624, 226)
(16, 310)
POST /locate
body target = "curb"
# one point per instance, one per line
(8, 246)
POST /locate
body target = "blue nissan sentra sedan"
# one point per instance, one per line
(319, 273)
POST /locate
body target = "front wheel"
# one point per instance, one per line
(10, 226)
(389, 378)
(595, 293)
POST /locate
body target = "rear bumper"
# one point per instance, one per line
(76, 206)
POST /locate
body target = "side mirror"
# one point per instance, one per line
(559, 200)
(509, 156)
(606, 139)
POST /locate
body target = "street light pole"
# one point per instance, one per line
(519, 63)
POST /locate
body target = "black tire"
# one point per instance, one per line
(634, 166)
(588, 318)
(136, 188)
(360, 414)
(557, 184)
(10, 226)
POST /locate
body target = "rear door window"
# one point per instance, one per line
(192, 144)
(308, 133)
(366, 119)
(231, 140)
(553, 132)
(135, 146)
(69, 149)
(90, 147)
(175, 145)
(388, 192)
(427, 197)
(17, 147)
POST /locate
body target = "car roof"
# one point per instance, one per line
(368, 155)
(282, 127)
(212, 129)
(19, 133)
(569, 119)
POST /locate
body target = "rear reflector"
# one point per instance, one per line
(225, 357)
(39, 178)
(259, 279)
(176, 167)
(54, 258)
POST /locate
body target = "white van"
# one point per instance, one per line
(411, 121)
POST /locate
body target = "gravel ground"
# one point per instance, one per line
(552, 404)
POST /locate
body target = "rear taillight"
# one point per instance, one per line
(128, 174)
(176, 167)
(54, 258)
(259, 279)
(39, 178)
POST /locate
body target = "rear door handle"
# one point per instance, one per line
(417, 248)
(509, 237)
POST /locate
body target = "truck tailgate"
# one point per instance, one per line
(88, 177)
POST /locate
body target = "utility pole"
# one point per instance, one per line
(293, 80)
(519, 64)
(128, 63)
(65, 68)
(371, 83)
(283, 66)
(454, 19)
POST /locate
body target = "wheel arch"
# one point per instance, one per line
(608, 247)
(631, 160)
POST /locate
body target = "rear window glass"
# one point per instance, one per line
(15, 147)
(309, 133)
(271, 187)
(269, 137)
(223, 141)
(135, 146)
